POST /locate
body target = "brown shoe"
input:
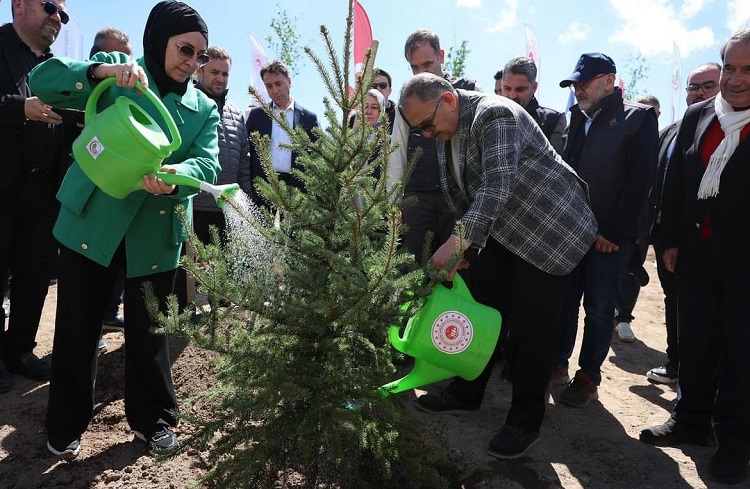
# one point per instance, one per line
(580, 392)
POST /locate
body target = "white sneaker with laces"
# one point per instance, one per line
(624, 332)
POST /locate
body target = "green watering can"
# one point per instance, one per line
(451, 335)
(122, 143)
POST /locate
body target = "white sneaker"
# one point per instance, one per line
(624, 332)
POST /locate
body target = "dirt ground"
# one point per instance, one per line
(594, 447)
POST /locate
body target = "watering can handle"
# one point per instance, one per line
(460, 287)
(151, 96)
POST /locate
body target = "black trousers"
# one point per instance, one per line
(530, 302)
(202, 220)
(430, 213)
(668, 282)
(83, 290)
(714, 342)
(28, 251)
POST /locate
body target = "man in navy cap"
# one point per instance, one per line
(612, 144)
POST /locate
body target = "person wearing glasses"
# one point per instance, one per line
(528, 212)
(33, 152)
(702, 84)
(705, 227)
(384, 84)
(141, 233)
(612, 144)
(278, 83)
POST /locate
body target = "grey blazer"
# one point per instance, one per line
(516, 188)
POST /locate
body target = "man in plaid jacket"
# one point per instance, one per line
(528, 212)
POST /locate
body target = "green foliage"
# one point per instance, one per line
(455, 60)
(286, 43)
(312, 284)
(636, 70)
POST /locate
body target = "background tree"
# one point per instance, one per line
(455, 60)
(636, 70)
(302, 345)
(286, 41)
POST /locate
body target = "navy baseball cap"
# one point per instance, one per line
(588, 66)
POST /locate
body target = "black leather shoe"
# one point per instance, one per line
(5, 383)
(729, 466)
(28, 365)
(674, 433)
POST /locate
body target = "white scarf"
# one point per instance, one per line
(731, 123)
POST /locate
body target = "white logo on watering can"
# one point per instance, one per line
(95, 147)
(452, 332)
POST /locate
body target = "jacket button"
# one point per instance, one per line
(79, 86)
(697, 225)
(84, 246)
(162, 212)
(154, 267)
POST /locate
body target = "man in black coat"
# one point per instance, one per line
(278, 83)
(31, 143)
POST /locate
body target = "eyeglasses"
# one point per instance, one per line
(584, 85)
(428, 126)
(52, 9)
(380, 85)
(704, 87)
(187, 52)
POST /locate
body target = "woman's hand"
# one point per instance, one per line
(127, 74)
(154, 185)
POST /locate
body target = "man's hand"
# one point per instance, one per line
(36, 110)
(443, 255)
(670, 258)
(602, 245)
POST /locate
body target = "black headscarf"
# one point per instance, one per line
(167, 19)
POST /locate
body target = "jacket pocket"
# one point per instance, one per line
(76, 190)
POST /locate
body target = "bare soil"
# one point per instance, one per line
(594, 447)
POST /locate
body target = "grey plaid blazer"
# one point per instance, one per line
(516, 189)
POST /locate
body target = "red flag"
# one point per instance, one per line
(362, 36)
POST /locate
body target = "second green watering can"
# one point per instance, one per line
(451, 335)
(122, 143)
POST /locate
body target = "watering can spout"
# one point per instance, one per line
(422, 374)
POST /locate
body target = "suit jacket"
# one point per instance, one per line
(514, 187)
(94, 224)
(259, 121)
(666, 137)
(729, 212)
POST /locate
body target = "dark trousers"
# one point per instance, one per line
(203, 220)
(430, 213)
(28, 251)
(596, 280)
(530, 303)
(668, 282)
(630, 284)
(714, 342)
(83, 289)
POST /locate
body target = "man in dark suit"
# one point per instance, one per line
(31, 157)
(706, 225)
(278, 83)
(703, 83)
(502, 180)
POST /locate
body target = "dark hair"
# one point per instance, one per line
(419, 37)
(216, 52)
(274, 66)
(107, 33)
(522, 65)
(499, 75)
(385, 74)
(742, 35)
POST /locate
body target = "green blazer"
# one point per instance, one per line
(93, 223)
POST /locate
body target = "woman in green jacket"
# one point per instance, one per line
(98, 233)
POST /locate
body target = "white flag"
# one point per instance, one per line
(258, 59)
(69, 42)
(676, 78)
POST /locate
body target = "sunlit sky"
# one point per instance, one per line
(494, 30)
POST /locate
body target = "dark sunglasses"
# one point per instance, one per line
(187, 52)
(52, 9)
(381, 85)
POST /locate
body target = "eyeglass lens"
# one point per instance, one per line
(52, 9)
